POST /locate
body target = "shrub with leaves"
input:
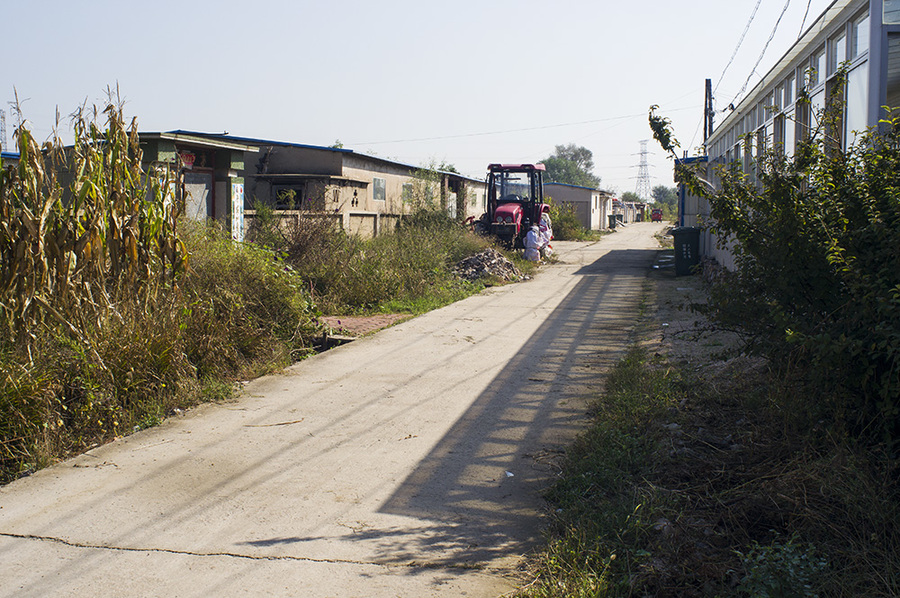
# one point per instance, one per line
(817, 284)
(566, 225)
(781, 570)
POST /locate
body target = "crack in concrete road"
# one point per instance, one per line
(302, 486)
(252, 557)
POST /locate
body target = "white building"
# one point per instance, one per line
(861, 35)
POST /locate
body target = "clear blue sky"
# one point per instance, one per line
(468, 82)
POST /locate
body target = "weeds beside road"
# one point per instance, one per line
(698, 479)
(116, 312)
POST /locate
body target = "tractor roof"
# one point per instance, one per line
(522, 167)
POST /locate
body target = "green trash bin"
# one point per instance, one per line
(612, 221)
(687, 249)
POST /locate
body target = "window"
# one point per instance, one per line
(289, 197)
(817, 69)
(778, 98)
(859, 37)
(407, 192)
(857, 106)
(765, 109)
(893, 71)
(778, 134)
(378, 189)
(789, 138)
(817, 108)
(788, 91)
(837, 52)
(891, 12)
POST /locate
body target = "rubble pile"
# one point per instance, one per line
(489, 262)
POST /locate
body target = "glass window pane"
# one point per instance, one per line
(891, 12)
(818, 65)
(788, 91)
(860, 41)
(857, 102)
(817, 105)
(837, 52)
(789, 136)
(893, 75)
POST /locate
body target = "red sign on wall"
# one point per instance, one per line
(187, 159)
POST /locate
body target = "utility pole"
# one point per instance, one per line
(642, 189)
(708, 112)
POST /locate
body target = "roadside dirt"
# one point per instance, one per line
(674, 329)
(362, 325)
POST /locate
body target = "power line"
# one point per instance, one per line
(504, 132)
(484, 133)
(763, 53)
(803, 24)
(738, 47)
(730, 60)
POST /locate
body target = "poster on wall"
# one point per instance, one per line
(237, 211)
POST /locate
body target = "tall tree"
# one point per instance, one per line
(664, 196)
(573, 165)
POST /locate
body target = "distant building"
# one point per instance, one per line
(209, 174)
(365, 194)
(9, 158)
(592, 206)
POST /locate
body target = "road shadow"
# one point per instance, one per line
(482, 483)
(473, 500)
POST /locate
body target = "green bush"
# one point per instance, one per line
(243, 305)
(780, 570)
(407, 268)
(566, 225)
(817, 285)
(237, 312)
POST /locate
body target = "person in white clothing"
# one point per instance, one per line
(546, 229)
(534, 242)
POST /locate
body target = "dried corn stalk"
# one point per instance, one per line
(82, 228)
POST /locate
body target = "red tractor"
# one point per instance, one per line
(515, 201)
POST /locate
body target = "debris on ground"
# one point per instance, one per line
(488, 263)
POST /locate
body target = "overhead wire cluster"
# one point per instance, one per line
(759, 59)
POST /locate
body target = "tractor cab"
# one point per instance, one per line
(515, 201)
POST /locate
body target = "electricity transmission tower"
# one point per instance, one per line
(3, 142)
(642, 189)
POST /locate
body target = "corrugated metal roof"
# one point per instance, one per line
(262, 142)
(257, 141)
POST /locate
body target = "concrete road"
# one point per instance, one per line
(408, 463)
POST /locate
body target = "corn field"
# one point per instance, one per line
(81, 225)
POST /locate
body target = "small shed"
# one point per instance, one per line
(208, 171)
(592, 206)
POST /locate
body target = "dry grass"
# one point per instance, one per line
(706, 477)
